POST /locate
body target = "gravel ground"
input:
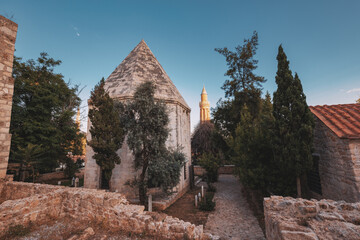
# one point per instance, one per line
(232, 218)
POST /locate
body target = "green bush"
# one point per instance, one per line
(211, 164)
(211, 188)
(207, 204)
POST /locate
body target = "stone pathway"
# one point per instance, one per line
(232, 218)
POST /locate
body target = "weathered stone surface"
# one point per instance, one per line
(289, 218)
(138, 67)
(23, 203)
(8, 30)
(339, 164)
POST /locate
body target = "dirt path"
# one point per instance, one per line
(232, 218)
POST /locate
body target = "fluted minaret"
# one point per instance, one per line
(204, 107)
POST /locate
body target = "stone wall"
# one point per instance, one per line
(298, 219)
(39, 203)
(339, 164)
(226, 169)
(8, 30)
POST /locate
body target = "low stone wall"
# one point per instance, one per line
(58, 176)
(226, 169)
(43, 203)
(289, 218)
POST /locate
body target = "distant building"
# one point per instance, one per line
(204, 105)
(138, 67)
(336, 152)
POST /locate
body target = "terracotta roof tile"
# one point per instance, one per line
(342, 119)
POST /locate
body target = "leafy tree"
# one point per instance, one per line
(207, 139)
(29, 156)
(211, 164)
(107, 133)
(146, 121)
(42, 113)
(293, 131)
(253, 149)
(243, 87)
(164, 171)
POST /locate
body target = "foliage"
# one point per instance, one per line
(107, 134)
(207, 204)
(211, 164)
(252, 147)
(42, 112)
(164, 171)
(293, 132)
(29, 156)
(146, 121)
(358, 101)
(211, 188)
(243, 87)
(206, 139)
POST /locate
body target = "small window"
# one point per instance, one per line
(313, 177)
(185, 172)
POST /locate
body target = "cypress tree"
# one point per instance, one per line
(107, 134)
(293, 131)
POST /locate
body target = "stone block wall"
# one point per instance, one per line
(226, 169)
(298, 219)
(40, 203)
(339, 164)
(8, 30)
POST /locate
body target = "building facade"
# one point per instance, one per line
(140, 66)
(8, 31)
(336, 155)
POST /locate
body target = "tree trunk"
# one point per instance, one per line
(143, 185)
(298, 186)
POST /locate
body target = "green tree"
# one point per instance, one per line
(293, 132)
(242, 88)
(253, 149)
(42, 114)
(146, 121)
(207, 139)
(106, 130)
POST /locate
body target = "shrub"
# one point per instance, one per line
(207, 204)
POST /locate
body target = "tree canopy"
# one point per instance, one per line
(146, 124)
(242, 88)
(293, 132)
(106, 130)
(42, 114)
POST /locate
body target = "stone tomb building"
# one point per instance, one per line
(336, 152)
(8, 31)
(140, 66)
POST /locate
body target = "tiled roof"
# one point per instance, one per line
(140, 66)
(342, 119)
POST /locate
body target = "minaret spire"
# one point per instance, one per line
(204, 107)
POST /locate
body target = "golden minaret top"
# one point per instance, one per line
(204, 107)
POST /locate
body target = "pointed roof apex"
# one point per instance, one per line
(138, 67)
(204, 91)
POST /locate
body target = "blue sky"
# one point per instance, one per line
(321, 39)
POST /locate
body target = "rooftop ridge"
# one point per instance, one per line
(141, 65)
(342, 119)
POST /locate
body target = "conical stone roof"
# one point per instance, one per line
(140, 66)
